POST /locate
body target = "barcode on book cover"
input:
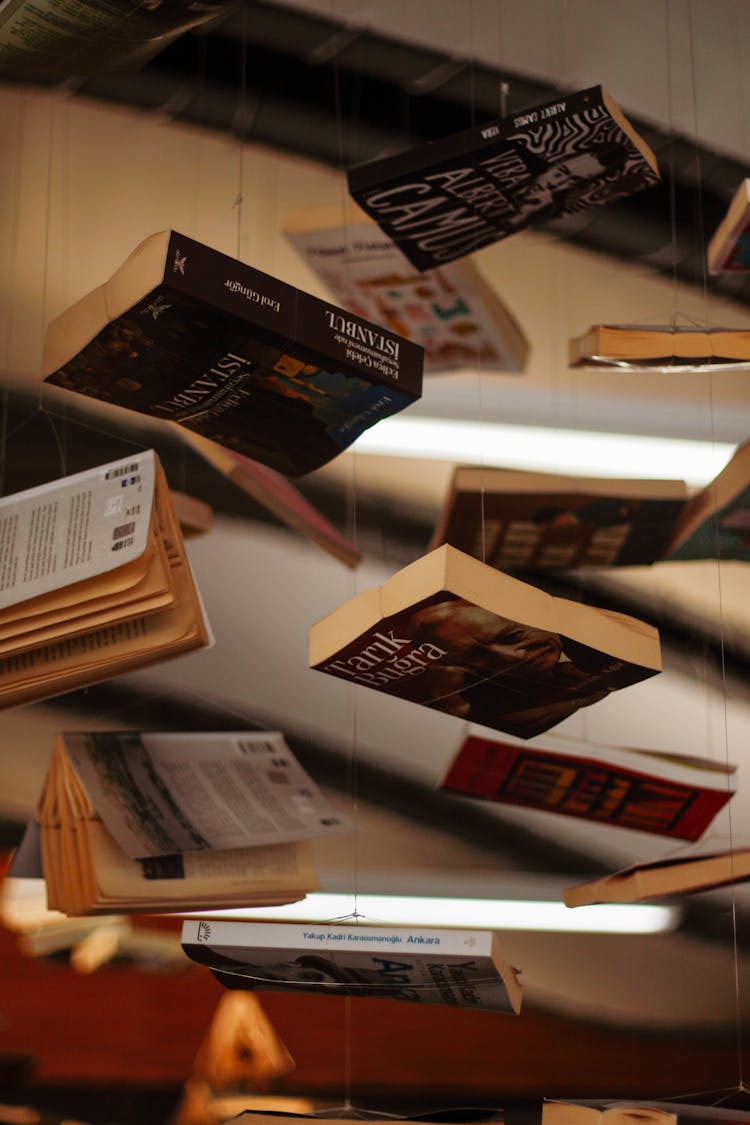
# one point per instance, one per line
(123, 530)
(121, 471)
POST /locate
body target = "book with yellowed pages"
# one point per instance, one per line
(677, 875)
(143, 822)
(186, 334)
(515, 520)
(729, 248)
(663, 347)
(451, 633)
(94, 580)
(451, 311)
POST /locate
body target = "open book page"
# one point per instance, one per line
(71, 529)
(199, 880)
(161, 794)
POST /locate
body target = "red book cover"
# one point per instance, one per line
(660, 797)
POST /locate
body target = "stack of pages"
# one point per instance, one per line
(94, 580)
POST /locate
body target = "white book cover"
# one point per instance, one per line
(462, 968)
(74, 528)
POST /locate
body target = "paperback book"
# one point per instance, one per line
(451, 633)
(450, 197)
(460, 968)
(664, 348)
(153, 822)
(669, 795)
(729, 248)
(94, 580)
(277, 494)
(676, 876)
(515, 520)
(186, 334)
(451, 312)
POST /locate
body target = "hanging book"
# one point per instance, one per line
(729, 249)
(94, 581)
(453, 196)
(158, 822)
(451, 312)
(189, 335)
(277, 494)
(676, 876)
(663, 348)
(667, 794)
(455, 635)
(515, 520)
(460, 968)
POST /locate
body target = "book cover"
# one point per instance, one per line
(660, 348)
(686, 874)
(546, 521)
(187, 334)
(642, 791)
(451, 633)
(453, 196)
(451, 312)
(729, 248)
(461, 968)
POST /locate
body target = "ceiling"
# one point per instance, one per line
(92, 165)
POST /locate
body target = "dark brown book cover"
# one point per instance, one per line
(453, 634)
(187, 334)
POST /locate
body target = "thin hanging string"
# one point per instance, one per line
(242, 130)
(672, 182)
(59, 439)
(351, 519)
(717, 533)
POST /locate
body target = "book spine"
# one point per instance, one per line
(352, 940)
(341, 339)
(231, 285)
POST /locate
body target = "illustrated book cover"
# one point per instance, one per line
(461, 968)
(186, 334)
(450, 197)
(661, 348)
(669, 795)
(729, 248)
(451, 311)
(94, 580)
(515, 520)
(453, 634)
(143, 822)
(687, 874)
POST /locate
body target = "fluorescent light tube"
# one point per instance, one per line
(466, 913)
(584, 452)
